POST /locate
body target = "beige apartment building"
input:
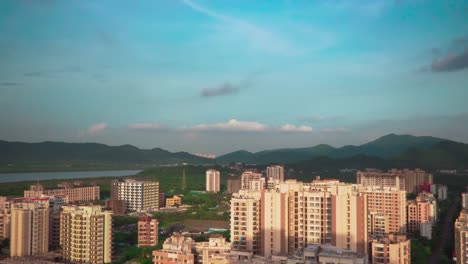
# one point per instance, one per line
(75, 193)
(5, 218)
(388, 202)
(148, 230)
(213, 181)
(29, 229)
(274, 208)
(251, 180)
(407, 180)
(86, 234)
(139, 196)
(392, 249)
(245, 221)
(461, 238)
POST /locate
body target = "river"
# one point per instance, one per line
(40, 176)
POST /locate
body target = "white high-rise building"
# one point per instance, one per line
(213, 181)
(250, 180)
(138, 195)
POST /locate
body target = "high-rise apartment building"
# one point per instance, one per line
(297, 214)
(251, 180)
(29, 229)
(148, 230)
(274, 208)
(86, 234)
(5, 218)
(213, 181)
(245, 221)
(408, 180)
(233, 185)
(389, 202)
(440, 190)
(138, 195)
(394, 249)
(275, 172)
(464, 201)
(422, 214)
(461, 237)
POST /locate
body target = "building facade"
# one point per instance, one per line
(405, 180)
(139, 196)
(233, 185)
(213, 181)
(176, 249)
(394, 249)
(29, 229)
(389, 202)
(461, 237)
(275, 173)
(148, 230)
(73, 192)
(86, 234)
(250, 180)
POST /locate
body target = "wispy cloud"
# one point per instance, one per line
(233, 125)
(93, 129)
(294, 129)
(258, 36)
(147, 126)
(452, 57)
(228, 88)
(225, 89)
(451, 62)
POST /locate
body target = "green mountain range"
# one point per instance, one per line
(89, 153)
(388, 151)
(388, 146)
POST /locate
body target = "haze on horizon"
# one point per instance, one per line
(219, 76)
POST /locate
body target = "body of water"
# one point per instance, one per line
(40, 176)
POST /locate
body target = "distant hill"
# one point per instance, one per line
(384, 147)
(89, 153)
(442, 155)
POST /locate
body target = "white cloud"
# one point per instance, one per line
(259, 37)
(231, 125)
(93, 129)
(292, 128)
(146, 126)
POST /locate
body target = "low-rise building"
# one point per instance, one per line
(318, 254)
(176, 249)
(74, 192)
(175, 200)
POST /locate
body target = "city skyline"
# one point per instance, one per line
(215, 77)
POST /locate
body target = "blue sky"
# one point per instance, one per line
(218, 76)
